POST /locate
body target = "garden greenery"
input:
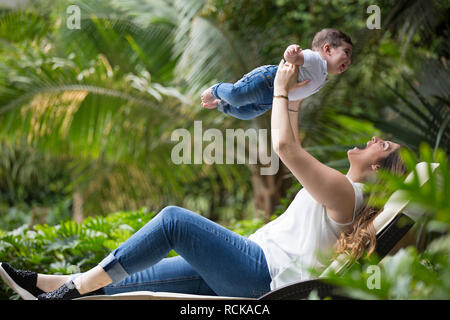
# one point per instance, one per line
(90, 112)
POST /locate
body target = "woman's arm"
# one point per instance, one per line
(293, 108)
(327, 185)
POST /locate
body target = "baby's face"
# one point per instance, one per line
(339, 59)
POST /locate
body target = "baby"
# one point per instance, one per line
(252, 95)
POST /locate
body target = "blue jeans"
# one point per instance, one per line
(212, 259)
(250, 97)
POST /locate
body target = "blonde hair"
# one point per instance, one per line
(362, 235)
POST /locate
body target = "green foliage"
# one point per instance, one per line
(27, 175)
(34, 187)
(105, 96)
(68, 247)
(21, 213)
(406, 275)
(247, 226)
(108, 96)
(419, 118)
(111, 93)
(411, 273)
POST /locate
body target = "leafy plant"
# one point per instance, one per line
(107, 97)
(419, 118)
(34, 187)
(68, 247)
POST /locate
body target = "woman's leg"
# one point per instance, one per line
(169, 275)
(228, 263)
(50, 282)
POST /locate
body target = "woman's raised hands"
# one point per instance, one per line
(286, 78)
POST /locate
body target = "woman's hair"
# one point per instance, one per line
(362, 235)
(331, 36)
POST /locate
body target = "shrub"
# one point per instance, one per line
(68, 247)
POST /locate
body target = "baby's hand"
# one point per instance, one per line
(291, 53)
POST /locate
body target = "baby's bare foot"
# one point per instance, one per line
(208, 100)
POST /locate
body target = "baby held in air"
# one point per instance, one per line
(252, 95)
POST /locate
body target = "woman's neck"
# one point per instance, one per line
(357, 175)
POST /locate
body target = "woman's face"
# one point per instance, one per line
(376, 149)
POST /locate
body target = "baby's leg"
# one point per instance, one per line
(247, 112)
(254, 88)
(242, 93)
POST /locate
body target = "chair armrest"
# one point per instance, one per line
(392, 234)
(302, 290)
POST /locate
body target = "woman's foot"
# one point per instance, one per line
(21, 281)
(30, 284)
(67, 291)
(208, 100)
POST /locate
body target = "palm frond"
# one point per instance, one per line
(16, 26)
(206, 51)
(424, 119)
(202, 60)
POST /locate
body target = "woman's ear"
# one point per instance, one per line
(375, 167)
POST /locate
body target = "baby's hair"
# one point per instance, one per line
(331, 36)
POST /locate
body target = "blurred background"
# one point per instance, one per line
(87, 110)
(91, 92)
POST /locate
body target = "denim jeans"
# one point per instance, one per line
(250, 97)
(212, 259)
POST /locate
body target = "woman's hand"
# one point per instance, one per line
(286, 79)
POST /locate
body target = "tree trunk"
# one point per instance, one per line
(33, 217)
(38, 215)
(270, 189)
(77, 207)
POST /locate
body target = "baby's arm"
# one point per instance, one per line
(293, 54)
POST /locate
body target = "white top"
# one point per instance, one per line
(291, 241)
(314, 68)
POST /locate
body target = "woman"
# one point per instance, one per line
(215, 261)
